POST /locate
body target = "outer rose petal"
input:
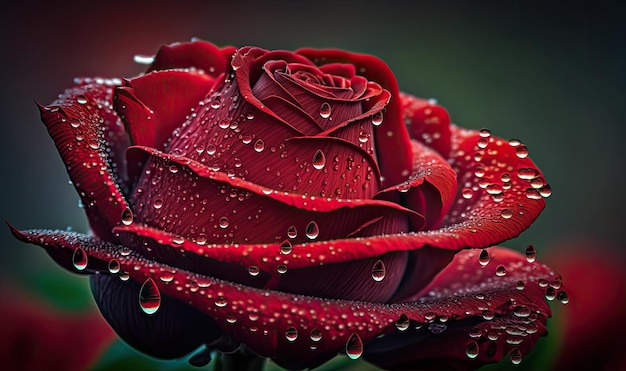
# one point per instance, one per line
(428, 123)
(201, 55)
(392, 141)
(81, 122)
(280, 325)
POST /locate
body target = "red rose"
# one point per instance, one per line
(271, 202)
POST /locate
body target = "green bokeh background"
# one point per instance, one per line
(550, 73)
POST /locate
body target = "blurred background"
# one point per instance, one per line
(551, 73)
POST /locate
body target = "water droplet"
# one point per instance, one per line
(531, 253)
(291, 334)
(515, 356)
(488, 315)
(532, 194)
(550, 293)
(483, 258)
(81, 99)
(79, 259)
(377, 118)
(482, 142)
(223, 124)
(312, 230)
(354, 347)
(316, 335)
(216, 102)
(379, 271)
(563, 297)
(476, 332)
(545, 191)
(522, 311)
(514, 142)
(281, 269)
(363, 136)
(223, 223)
(521, 151)
(149, 297)
(526, 173)
(221, 302)
(484, 133)
(127, 216)
(467, 193)
(506, 213)
(403, 323)
(500, 271)
(319, 160)
(259, 145)
(520, 285)
(253, 270)
(158, 203)
(143, 59)
(286, 247)
(325, 110)
(292, 232)
(114, 266)
(124, 276)
(472, 350)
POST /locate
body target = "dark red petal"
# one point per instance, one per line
(81, 122)
(344, 70)
(201, 55)
(430, 188)
(499, 193)
(428, 123)
(393, 149)
(192, 199)
(155, 104)
(267, 320)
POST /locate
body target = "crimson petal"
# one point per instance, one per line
(201, 55)
(80, 122)
(428, 123)
(394, 167)
(280, 325)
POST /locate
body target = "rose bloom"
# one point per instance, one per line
(296, 205)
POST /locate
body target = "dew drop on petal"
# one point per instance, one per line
(531, 253)
(379, 271)
(483, 258)
(316, 335)
(114, 266)
(127, 216)
(253, 270)
(292, 232)
(79, 259)
(259, 145)
(545, 191)
(515, 356)
(325, 110)
(282, 269)
(81, 99)
(149, 297)
(563, 297)
(472, 350)
(403, 323)
(482, 142)
(550, 293)
(319, 160)
(354, 346)
(377, 118)
(467, 193)
(488, 315)
(221, 302)
(526, 173)
(500, 271)
(286, 247)
(158, 203)
(520, 285)
(291, 334)
(484, 133)
(521, 151)
(124, 276)
(506, 213)
(476, 332)
(312, 230)
(223, 223)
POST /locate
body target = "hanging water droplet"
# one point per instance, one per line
(316, 335)
(319, 160)
(483, 258)
(223, 223)
(292, 232)
(354, 346)
(531, 253)
(286, 247)
(403, 323)
(259, 145)
(81, 99)
(377, 118)
(79, 259)
(149, 297)
(550, 293)
(500, 271)
(158, 203)
(563, 297)
(516, 356)
(472, 350)
(521, 151)
(312, 230)
(325, 110)
(253, 270)
(114, 266)
(127, 216)
(291, 334)
(379, 271)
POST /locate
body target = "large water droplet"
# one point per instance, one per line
(286, 247)
(472, 350)
(325, 110)
(403, 323)
(354, 347)
(127, 216)
(319, 159)
(545, 191)
(377, 118)
(291, 334)
(149, 297)
(379, 271)
(563, 297)
(516, 356)
(312, 230)
(114, 266)
(521, 151)
(483, 258)
(79, 259)
(531, 253)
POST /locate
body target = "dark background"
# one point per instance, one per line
(550, 73)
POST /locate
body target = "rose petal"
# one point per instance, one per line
(201, 55)
(280, 325)
(392, 141)
(155, 104)
(80, 122)
(428, 123)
